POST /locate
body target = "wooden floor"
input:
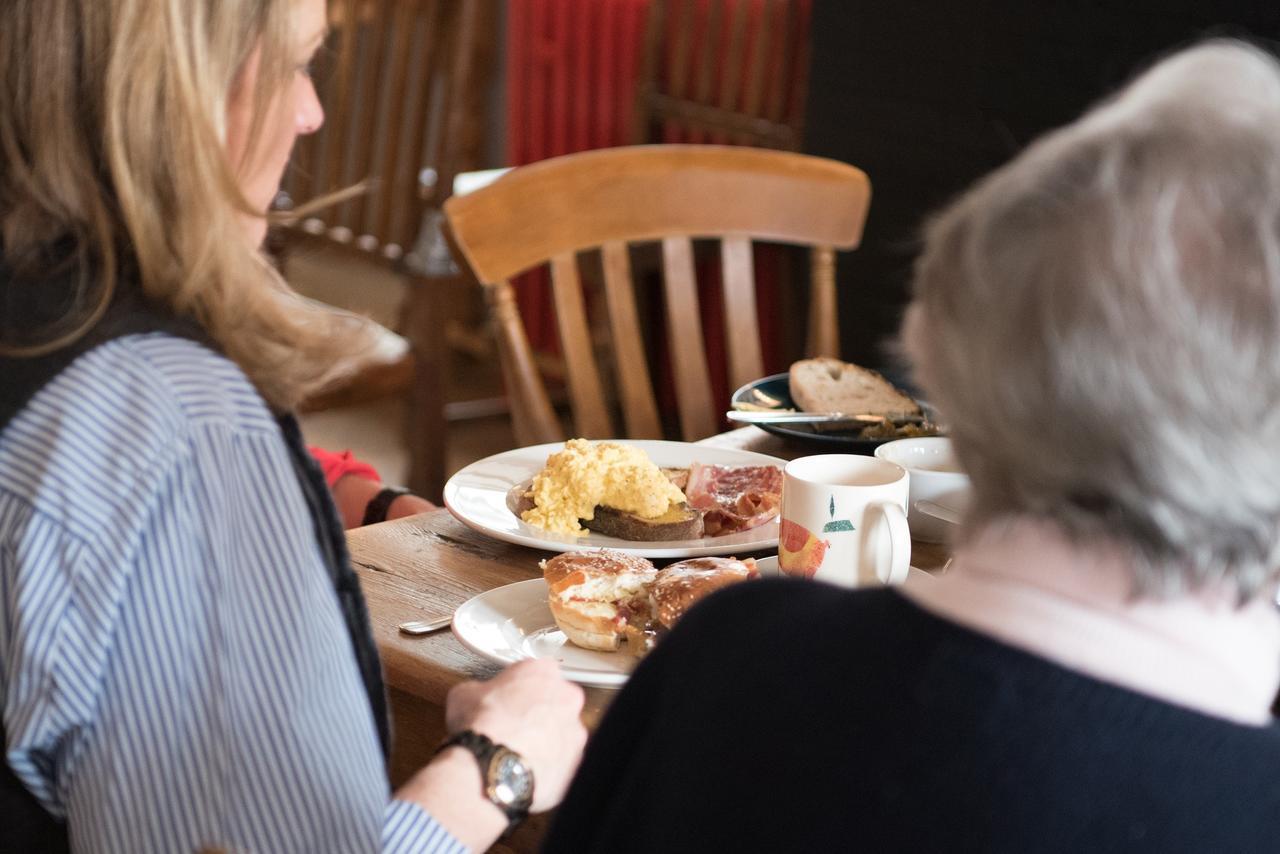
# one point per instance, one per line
(375, 431)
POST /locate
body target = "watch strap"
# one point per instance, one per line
(376, 510)
(481, 745)
(484, 749)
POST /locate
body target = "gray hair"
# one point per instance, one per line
(1100, 325)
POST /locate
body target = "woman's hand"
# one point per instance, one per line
(531, 709)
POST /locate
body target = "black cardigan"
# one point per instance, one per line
(792, 716)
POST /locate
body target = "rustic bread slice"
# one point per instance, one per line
(830, 385)
(520, 497)
(681, 522)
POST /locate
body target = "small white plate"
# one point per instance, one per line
(768, 567)
(477, 496)
(512, 623)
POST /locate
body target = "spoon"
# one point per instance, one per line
(425, 627)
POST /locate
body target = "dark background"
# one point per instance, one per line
(925, 97)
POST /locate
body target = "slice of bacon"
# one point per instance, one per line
(734, 498)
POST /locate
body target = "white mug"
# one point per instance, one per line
(844, 520)
(935, 477)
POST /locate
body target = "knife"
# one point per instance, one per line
(757, 417)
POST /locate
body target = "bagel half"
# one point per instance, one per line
(594, 596)
(678, 587)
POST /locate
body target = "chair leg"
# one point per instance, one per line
(426, 428)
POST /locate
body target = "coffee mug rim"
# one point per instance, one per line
(875, 462)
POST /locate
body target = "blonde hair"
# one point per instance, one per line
(113, 156)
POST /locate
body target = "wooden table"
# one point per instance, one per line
(428, 565)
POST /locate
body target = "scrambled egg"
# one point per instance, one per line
(584, 475)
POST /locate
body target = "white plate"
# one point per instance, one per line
(512, 623)
(477, 496)
(768, 567)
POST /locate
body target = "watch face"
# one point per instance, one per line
(511, 781)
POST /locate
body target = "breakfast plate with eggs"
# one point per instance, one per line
(554, 487)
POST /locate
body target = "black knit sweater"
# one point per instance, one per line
(792, 716)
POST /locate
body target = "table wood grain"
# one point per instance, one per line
(426, 566)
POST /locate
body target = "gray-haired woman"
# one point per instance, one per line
(1100, 322)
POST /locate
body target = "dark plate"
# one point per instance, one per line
(777, 388)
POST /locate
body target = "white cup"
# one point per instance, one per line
(844, 520)
(935, 476)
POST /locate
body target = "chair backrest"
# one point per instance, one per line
(611, 199)
(724, 71)
(401, 83)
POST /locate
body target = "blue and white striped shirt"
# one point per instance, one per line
(174, 669)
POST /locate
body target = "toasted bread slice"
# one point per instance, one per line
(830, 385)
(520, 497)
(681, 522)
(678, 523)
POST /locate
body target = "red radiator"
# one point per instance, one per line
(572, 69)
(571, 75)
(571, 79)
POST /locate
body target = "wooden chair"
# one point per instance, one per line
(403, 84)
(738, 78)
(612, 199)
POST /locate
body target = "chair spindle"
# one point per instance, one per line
(591, 417)
(688, 351)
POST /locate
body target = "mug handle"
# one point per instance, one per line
(884, 523)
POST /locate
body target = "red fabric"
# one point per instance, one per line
(337, 464)
(571, 79)
(787, 65)
(572, 67)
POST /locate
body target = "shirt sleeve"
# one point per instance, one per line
(408, 829)
(338, 464)
(174, 670)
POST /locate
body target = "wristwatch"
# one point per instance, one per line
(508, 779)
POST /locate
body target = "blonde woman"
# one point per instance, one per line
(1100, 322)
(185, 656)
